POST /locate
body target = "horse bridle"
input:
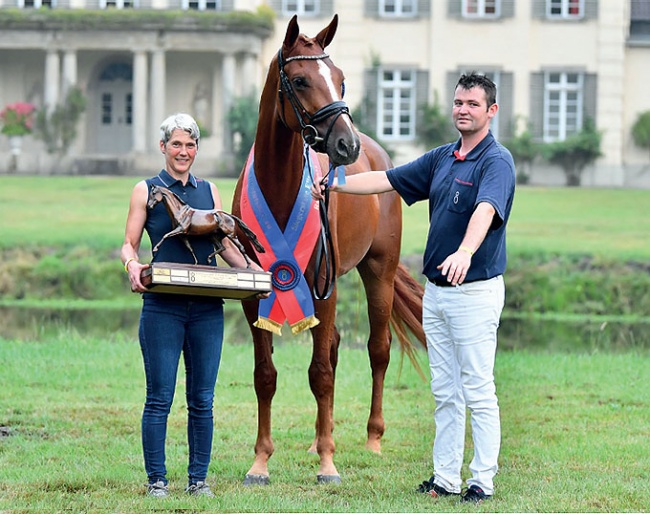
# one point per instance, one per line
(307, 121)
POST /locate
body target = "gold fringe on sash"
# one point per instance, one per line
(268, 324)
(304, 324)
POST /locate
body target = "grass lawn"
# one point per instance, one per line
(575, 425)
(574, 433)
(612, 223)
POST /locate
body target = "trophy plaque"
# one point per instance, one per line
(193, 279)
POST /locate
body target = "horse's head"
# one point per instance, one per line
(310, 94)
(155, 196)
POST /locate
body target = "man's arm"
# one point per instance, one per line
(360, 184)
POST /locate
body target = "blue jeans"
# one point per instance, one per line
(171, 325)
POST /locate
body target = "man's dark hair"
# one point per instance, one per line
(474, 79)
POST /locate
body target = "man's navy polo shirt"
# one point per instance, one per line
(197, 194)
(454, 188)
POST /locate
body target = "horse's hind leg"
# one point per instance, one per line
(378, 283)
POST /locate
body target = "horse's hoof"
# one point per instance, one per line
(256, 479)
(328, 479)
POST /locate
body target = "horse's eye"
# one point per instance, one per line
(342, 89)
(300, 83)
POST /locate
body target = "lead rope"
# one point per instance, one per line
(325, 255)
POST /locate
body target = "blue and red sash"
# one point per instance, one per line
(287, 253)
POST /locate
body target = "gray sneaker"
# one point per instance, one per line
(199, 489)
(158, 489)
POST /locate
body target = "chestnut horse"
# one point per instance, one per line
(301, 104)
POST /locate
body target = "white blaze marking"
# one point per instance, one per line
(326, 73)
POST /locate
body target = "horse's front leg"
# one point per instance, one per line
(241, 249)
(322, 372)
(178, 231)
(265, 381)
(379, 294)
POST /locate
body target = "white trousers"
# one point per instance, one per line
(461, 329)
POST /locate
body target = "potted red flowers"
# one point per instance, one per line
(17, 121)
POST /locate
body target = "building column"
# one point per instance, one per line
(157, 104)
(69, 71)
(228, 67)
(52, 79)
(139, 101)
(249, 74)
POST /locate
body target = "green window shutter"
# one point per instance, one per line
(454, 8)
(591, 9)
(371, 8)
(326, 8)
(447, 96)
(421, 94)
(369, 102)
(505, 101)
(536, 117)
(590, 96)
(507, 8)
(424, 8)
(539, 9)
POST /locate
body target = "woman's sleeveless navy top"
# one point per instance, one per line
(197, 194)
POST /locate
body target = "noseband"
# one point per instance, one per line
(307, 121)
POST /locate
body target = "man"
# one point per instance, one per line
(470, 188)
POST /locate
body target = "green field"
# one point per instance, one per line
(574, 435)
(612, 223)
(574, 422)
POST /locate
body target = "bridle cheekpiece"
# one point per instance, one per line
(307, 121)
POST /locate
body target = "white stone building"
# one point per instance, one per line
(556, 63)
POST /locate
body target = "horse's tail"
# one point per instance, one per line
(406, 315)
(249, 234)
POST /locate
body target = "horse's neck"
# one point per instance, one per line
(174, 205)
(278, 171)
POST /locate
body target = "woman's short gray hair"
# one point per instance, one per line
(179, 121)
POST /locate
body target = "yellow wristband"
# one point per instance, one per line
(466, 249)
(126, 264)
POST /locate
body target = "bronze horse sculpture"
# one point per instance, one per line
(187, 221)
(301, 106)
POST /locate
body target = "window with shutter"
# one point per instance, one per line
(481, 8)
(396, 104)
(398, 8)
(300, 7)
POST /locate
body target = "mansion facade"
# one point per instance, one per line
(557, 64)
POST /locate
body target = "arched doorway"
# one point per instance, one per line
(114, 109)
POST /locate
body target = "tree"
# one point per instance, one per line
(524, 150)
(575, 153)
(58, 128)
(242, 118)
(435, 127)
(641, 130)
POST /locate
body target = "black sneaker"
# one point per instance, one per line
(475, 494)
(435, 490)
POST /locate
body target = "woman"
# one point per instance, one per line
(171, 324)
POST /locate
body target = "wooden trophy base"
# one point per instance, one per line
(191, 279)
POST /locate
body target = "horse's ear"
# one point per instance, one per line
(326, 35)
(293, 31)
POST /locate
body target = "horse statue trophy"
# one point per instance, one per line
(305, 127)
(187, 221)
